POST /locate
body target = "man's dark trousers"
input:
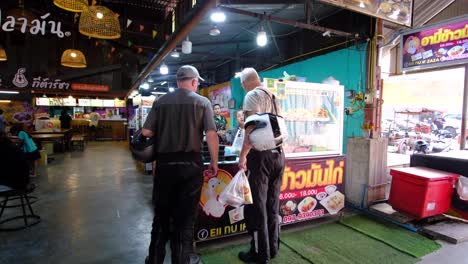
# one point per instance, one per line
(262, 217)
(177, 193)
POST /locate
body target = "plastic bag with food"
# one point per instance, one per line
(238, 191)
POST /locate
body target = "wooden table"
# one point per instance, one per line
(51, 138)
(65, 134)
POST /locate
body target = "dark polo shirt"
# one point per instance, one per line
(178, 120)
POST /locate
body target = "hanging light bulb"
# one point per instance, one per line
(262, 39)
(145, 86)
(362, 5)
(99, 15)
(218, 16)
(186, 46)
(171, 89)
(175, 54)
(164, 70)
(214, 31)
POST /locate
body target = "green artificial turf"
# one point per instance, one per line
(330, 243)
(404, 240)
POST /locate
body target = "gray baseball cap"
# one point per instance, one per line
(188, 71)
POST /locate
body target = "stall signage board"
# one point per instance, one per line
(69, 101)
(311, 188)
(96, 102)
(90, 87)
(396, 11)
(108, 103)
(84, 102)
(443, 44)
(42, 101)
(119, 103)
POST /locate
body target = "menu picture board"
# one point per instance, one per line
(96, 102)
(69, 101)
(84, 102)
(108, 103)
(396, 11)
(443, 44)
(119, 103)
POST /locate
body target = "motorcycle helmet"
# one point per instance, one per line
(142, 147)
(269, 131)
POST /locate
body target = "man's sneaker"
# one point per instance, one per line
(248, 257)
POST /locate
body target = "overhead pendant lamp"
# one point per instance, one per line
(164, 70)
(73, 58)
(187, 46)
(72, 5)
(99, 22)
(214, 31)
(3, 56)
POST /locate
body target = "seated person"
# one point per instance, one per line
(231, 134)
(15, 170)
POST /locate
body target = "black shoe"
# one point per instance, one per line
(147, 260)
(248, 257)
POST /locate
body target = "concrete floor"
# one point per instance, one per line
(96, 208)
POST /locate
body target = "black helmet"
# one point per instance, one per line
(142, 147)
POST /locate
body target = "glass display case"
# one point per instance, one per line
(314, 116)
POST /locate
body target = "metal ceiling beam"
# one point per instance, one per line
(191, 21)
(286, 21)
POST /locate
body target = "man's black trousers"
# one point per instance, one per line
(262, 217)
(177, 188)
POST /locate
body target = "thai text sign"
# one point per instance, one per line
(89, 87)
(441, 45)
(35, 27)
(311, 188)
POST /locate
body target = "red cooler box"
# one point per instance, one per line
(421, 192)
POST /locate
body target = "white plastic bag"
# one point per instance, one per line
(237, 192)
(462, 188)
(238, 140)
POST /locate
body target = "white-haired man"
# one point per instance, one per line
(266, 172)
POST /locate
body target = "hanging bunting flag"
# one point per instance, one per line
(142, 27)
(128, 22)
(130, 43)
(154, 33)
(140, 50)
(112, 50)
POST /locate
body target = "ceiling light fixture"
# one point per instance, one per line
(171, 89)
(99, 15)
(218, 16)
(362, 5)
(73, 58)
(186, 46)
(164, 70)
(9, 92)
(150, 80)
(214, 31)
(145, 86)
(175, 54)
(163, 83)
(5, 101)
(262, 39)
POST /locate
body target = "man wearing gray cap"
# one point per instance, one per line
(177, 122)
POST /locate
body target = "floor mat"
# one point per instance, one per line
(395, 236)
(325, 244)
